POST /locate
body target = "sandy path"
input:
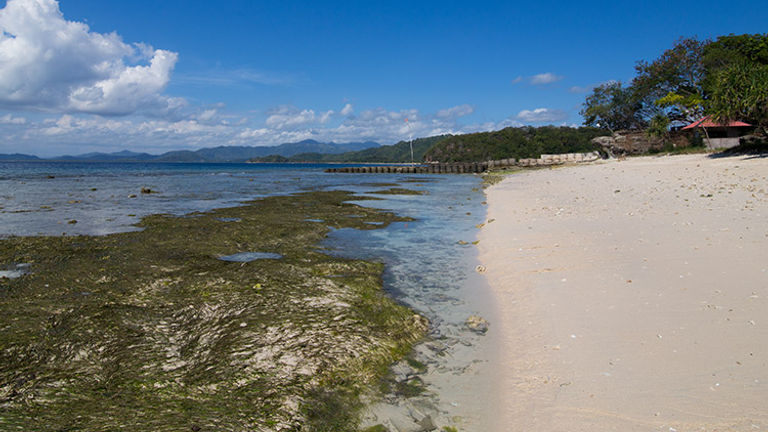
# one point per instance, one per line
(633, 295)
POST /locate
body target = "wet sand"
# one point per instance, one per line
(633, 295)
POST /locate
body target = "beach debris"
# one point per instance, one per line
(146, 190)
(132, 196)
(477, 324)
(461, 242)
(480, 269)
(72, 221)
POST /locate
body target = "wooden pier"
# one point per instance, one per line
(469, 167)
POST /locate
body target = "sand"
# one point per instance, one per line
(633, 295)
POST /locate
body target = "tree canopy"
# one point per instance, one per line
(725, 78)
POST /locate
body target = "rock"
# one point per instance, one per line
(427, 424)
(72, 222)
(402, 371)
(480, 269)
(477, 324)
(624, 143)
(132, 196)
(146, 190)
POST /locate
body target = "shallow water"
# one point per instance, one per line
(244, 257)
(430, 266)
(14, 271)
(429, 262)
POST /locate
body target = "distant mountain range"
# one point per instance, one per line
(215, 154)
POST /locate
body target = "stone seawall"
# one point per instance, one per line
(472, 167)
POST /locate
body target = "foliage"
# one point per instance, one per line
(673, 82)
(659, 126)
(523, 142)
(740, 92)
(726, 78)
(729, 50)
(613, 107)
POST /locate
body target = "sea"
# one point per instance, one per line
(430, 262)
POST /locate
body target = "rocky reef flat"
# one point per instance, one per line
(152, 330)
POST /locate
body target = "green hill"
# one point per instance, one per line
(522, 142)
(396, 153)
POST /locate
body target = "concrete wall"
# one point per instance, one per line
(721, 143)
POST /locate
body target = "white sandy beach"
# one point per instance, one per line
(633, 295)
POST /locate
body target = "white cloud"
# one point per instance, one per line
(455, 112)
(66, 133)
(579, 89)
(545, 78)
(50, 64)
(517, 80)
(286, 117)
(207, 115)
(9, 119)
(324, 117)
(347, 110)
(542, 115)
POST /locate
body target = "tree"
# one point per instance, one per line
(732, 49)
(740, 92)
(672, 84)
(612, 106)
(659, 126)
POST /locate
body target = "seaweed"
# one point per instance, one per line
(149, 330)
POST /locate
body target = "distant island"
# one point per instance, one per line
(215, 154)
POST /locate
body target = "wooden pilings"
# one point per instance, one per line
(454, 168)
(469, 167)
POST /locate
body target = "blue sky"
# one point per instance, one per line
(79, 76)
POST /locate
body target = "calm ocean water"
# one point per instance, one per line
(428, 265)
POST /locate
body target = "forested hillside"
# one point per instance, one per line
(396, 153)
(521, 142)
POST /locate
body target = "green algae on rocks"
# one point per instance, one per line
(150, 330)
(397, 191)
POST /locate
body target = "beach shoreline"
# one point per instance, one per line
(632, 294)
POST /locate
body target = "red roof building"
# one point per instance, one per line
(720, 135)
(707, 122)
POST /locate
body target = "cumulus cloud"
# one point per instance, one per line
(542, 115)
(287, 117)
(50, 64)
(455, 112)
(545, 78)
(208, 128)
(347, 110)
